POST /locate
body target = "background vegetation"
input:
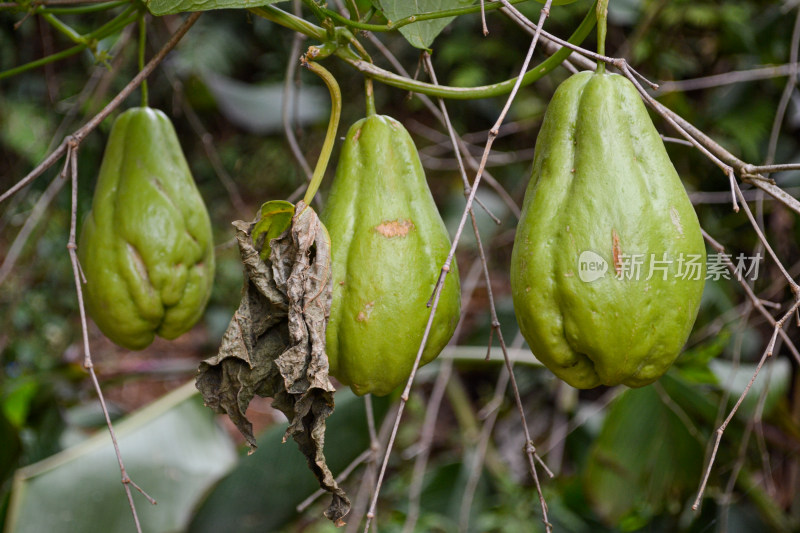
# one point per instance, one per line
(625, 460)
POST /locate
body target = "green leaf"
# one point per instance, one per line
(10, 450)
(172, 448)
(276, 217)
(18, 399)
(261, 494)
(775, 376)
(644, 461)
(169, 7)
(420, 34)
(26, 129)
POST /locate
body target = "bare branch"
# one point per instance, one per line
(729, 78)
(767, 353)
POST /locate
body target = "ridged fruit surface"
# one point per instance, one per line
(388, 245)
(146, 247)
(605, 195)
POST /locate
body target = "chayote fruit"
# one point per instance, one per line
(146, 247)
(604, 198)
(388, 244)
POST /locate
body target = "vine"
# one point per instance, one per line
(339, 34)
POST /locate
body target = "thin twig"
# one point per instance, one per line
(288, 106)
(39, 209)
(69, 147)
(729, 78)
(748, 172)
(677, 411)
(717, 197)
(617, 62)
(795, 288)
(491, 411)
(343, 475)
(767, 353)
(788, 90)
(364, 492)
(87, 362)
(757, 302)
(530, 450)
(434, 403)
(727, 495)
(207, 140)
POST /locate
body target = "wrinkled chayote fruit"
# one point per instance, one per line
(146, 247)
(388, 244)
(604, 198)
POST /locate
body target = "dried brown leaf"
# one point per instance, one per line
(275, 343)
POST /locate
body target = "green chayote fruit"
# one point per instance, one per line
(146, 247)
(388, 244)
(608, 264)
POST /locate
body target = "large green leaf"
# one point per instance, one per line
(775, 377)
(420, 34)
(11, 448)
(644, 461)
(173, 449)
(168, 7)
(262, 492)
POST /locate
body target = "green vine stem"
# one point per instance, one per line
(369, 14)
(81, 10)
(63, 28)
(393, 25)
(113, 26)
(333, 125)
(443, 91)
(39, 9)
(602, 25)
(369, 91)
(142, 43)
(287, 20)
(352, 8)
(469, 93)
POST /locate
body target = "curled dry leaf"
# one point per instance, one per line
(275, 343)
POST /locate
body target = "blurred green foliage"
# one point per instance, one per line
(604, 462)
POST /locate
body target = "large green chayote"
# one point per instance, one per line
(146, 247)
(608, 264)
(388, 244)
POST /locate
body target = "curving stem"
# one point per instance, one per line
(602, 25)
(369, 90)
(142, 43)
(333, 125)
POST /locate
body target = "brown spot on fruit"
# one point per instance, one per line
(357, 135)
(365, 313)
(615, 251)
(394, 228)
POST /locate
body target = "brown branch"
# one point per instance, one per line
(767, 353)
(432, 411)
(729, 78)
(69, 147)
(757, 302)
(530, 450)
